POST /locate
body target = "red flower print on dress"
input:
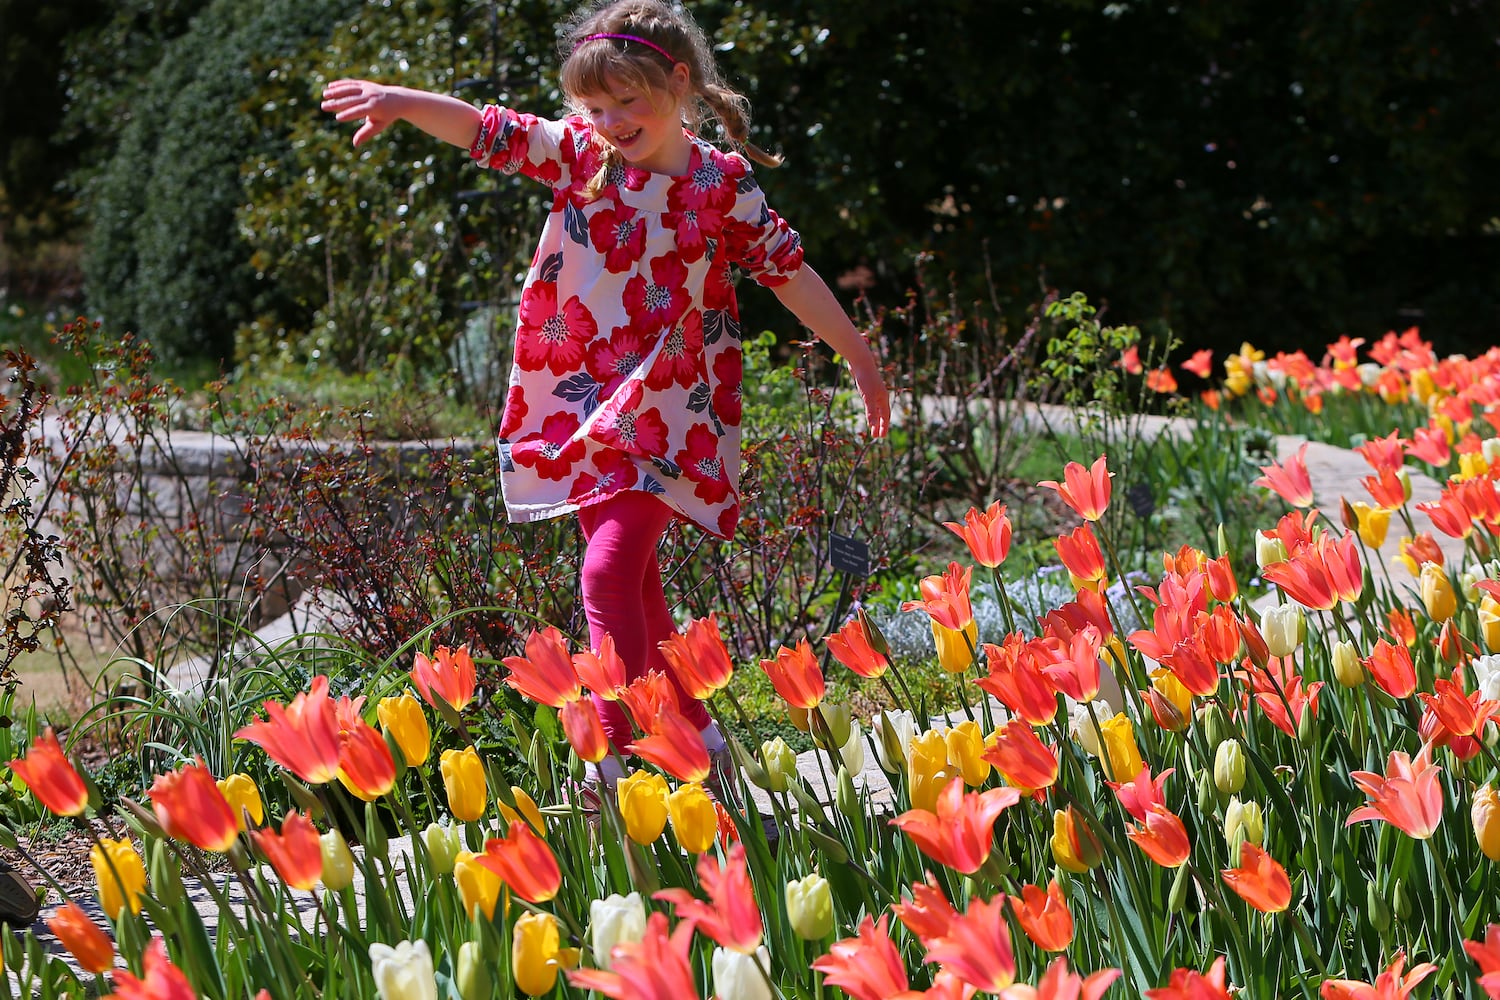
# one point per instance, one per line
(554, 451)
(658, 304)
(624, 426)
(615, 358)
(728, 375)
(681, 356)
(718, 290)
(613, 472)
(701, 464)
(729, 517)
(619, 235)
(710, 183)
(694, 228)
(551, 337)
(515, 411)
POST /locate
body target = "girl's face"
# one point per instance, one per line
(644, 124)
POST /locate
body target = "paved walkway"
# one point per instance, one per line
(1335, 473)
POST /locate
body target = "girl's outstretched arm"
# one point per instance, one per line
(439, 115)
(810, 301)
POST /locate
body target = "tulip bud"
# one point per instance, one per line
(809, 907)
(338, 862)
(166, 873)
(1283, 627)
(1347, 669)
(443, 844)
(1244, 819)
(873, 633)
(1438, 596)
(473, 974)
(1229, 767)
(736, 976)
(1485, 812)
(1074, 845)
(1207, 792)
(403, 972)
(615, 920)
(1178, 894)
(1269, 550)
(1307, 729)
(893, 735)
(1402, 900)
(846, 797)
(834, 731)
(1222, 538)
(1376, 906)
(1404, 475)
(780, 764)
(853, 750)
(1255, 644)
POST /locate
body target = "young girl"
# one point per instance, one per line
(624, 399)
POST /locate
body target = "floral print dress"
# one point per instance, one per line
(627, 359)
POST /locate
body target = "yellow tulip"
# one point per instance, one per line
(1229, 767)
(1471, 465)
(965, 745)
(1437, 593)
(120, 874)
(478, 887)
(534, 953)
(1422, 385)
(1121, 757)
(643, 806)
(1347, 669)
(401, 716)
(809, 907)
(1485, 812)
(1489, 623)
(463, 780)
(443, 842)
(1169, 687)
(528, 811)
(338, 861)
(240, 792)
(1074, 847)
(928, 770)
(1373, 523)
(780, 763)
(695, 821)
(955, 649)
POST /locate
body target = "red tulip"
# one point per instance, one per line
(1392, 668)
(524, 862)
(1081, 554)
(699, 658)
(1409, 796)
(302, 737)
(449, 675)
(190, 807)
(83, 938)
(1189, 984)
(928, 913)
(295, 852)
(1487, 955)
(987, 534)
(51, 778)
(977, 947)
(658, 965)
(961, 832)
(545, 674)
(1161, 836)
(1291, 482)
(1060, 984)
(675, 745)
(1085, 490)
(851, 646)
(1044, 916)
(730, 916)
(601, 671)
(946, 598)
(867, 967)
(1022, 758)
(584, 730)
(1260, 880)
(163, 980)
(366, 767)
(796, 675)
(1389, 985)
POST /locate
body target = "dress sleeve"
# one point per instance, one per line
(757, 239)
(513, 142)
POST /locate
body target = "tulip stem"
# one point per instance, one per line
(1003, 598)
(1309, 947)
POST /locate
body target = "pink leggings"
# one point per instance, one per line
(623, 597)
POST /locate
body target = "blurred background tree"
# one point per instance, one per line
(1232, 170)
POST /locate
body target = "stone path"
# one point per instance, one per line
(1335, 472)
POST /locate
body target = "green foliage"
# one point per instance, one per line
(1083, 359)
(164, 257)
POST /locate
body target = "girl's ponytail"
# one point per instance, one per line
(732, 110)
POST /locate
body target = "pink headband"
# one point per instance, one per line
(628, 38)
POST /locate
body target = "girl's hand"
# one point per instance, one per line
(876, 398)
(376, 103)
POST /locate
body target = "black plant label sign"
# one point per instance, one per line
(848, 554)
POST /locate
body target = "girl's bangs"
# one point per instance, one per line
(600, 68)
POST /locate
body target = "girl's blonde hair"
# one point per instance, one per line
(591, 66)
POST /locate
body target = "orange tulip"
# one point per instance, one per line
(1189, 984)
(51, 777)
(1389, 985)
(1075, 670)
(303, 737)
(449, 675)
(730, 915)
(1138, 795)
(946, 598)
(366, 767)
(658, 965)
(977, 947)
(584, 730)
(1162, 837)
(1044, 916)
(851, 646)
(1392, 668)
(1221, 581)
(1260, 880)
(296, 852)
(675, 745)
(928, 914)
(83, 938)
(796, 675)
(601, 671)
(1060, 984)
(1022, 758)
(646, 696)
(1161, 380)
(524, 862)
(163, 980)
(1016, 679)
(961, 831)
(190, 807)
(987, 534)
(1200, 364)
(1085, 490)
(1486, 954)
(1081, 554)
(1291, 482)
(1460, 713)
(1193, 666)
(1409, 796)
(545, 674)
(699, 658)
(867, 966)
